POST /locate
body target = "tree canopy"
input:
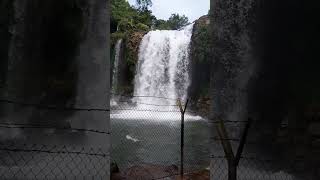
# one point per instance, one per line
(175, 22)
(144, 4)
(125, 17)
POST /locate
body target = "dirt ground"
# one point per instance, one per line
(150, 172)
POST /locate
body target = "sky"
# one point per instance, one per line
(193, 9)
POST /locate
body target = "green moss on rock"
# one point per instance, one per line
(200, 64)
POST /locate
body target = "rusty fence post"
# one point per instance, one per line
(182, 111)
(233, 160)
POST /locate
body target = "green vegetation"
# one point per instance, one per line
(126, 18)
(144, 4)
(175, 22)
(130, 23)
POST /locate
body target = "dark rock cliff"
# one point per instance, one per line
(264, 67)
(54, 70)
(46, 48)
(128, 59)
(41, 47)
(6, 19)
(200, 64)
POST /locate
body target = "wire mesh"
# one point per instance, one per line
(249, 168)
(147, 135)
(259, 161)
(52, 162)
(50, 151)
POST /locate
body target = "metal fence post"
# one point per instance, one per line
(182, 111)
(233, 160)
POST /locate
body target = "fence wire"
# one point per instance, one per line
(52, 162)
(146, 137)
(258, 161)
(49, 151)
(249, 168)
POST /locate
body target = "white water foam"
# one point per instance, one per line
(132, 139)
(152, 115)
(115, 73)
(162, 77)
(162, 69)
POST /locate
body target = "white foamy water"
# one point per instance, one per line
(128, 137)
(115, 73)
(151, 115)
(162, 77)
(162, 69)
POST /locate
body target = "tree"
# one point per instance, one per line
(176, 21)
(120, 11)
(125, 17)
(161, 24)
(144, 4)
(145, 17)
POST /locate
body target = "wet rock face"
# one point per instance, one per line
(47, 44)
(264, 66)
(132, 44)
(41, 43)
(286, 85)
(54, 60)
(232, 63)
(128, 60)
(5, 35)
(53, 32)
(200, 62)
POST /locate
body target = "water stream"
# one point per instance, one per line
(148, 129)
(162, 69)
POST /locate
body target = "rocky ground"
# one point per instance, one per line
(149, 171)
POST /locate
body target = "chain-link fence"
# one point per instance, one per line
(146, 144)
(249, 168)
(259, 157)
(146, 138)
(52, 162)
(52, 151)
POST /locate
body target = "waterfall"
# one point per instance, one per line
(162, 69)
(115, 73)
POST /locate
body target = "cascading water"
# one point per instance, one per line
(162, 69)
(115, 75)
(162, 75)
(147, 130)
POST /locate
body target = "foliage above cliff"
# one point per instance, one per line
(144, 4)
(131, 23)
(126, 18)
(175, 22)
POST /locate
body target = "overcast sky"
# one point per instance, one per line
(193, 9)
